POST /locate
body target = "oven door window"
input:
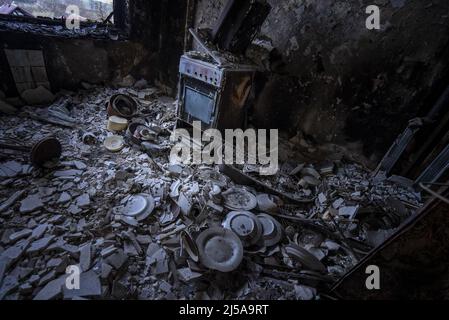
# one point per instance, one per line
(199, 105)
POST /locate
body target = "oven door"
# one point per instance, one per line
(199, 102)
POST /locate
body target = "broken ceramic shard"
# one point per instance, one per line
(268, 203)
(31, 203)
(239, 199)
(272, 231)
(304, 257)
(139, 207)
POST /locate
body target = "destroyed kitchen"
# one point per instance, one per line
(220, 150)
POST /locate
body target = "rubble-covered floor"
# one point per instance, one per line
(66, 214)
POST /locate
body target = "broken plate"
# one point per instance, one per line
(239, 199)
(213, 177)
(304, 257)
(220, 249)
(139, 206)
(272, 230)
(269, 203)
(189, 245)
(245, 225)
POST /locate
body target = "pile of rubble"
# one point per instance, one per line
(139, 227)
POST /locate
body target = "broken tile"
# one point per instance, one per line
(64, 198)
(39, 231)
(90, 286)
(40, 245)
(83, 201)
(25, 233)
(31, 203)
(85, 257)
(187, 275)
(52, 289)
(11, 200)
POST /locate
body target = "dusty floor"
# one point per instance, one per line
(68, 214)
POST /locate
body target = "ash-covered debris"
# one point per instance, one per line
(57, 28)
(138, 227)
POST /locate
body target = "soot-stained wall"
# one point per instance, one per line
(152, 50)
(69, 62)
(340, 83)
(160, 26)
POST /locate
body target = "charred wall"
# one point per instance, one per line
(160, 25)
(149, 49)
(69, 62)
(340, 83)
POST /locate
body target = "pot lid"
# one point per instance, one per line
(239, 199)
(220, 249)
(304, 257)
(272, 231)
(245, 225)
(139, 206)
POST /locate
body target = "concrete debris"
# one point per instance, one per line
(68, 214)
(38, 96)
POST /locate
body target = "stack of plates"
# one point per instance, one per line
(254, 230)
(220, 249)
(245, 225)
